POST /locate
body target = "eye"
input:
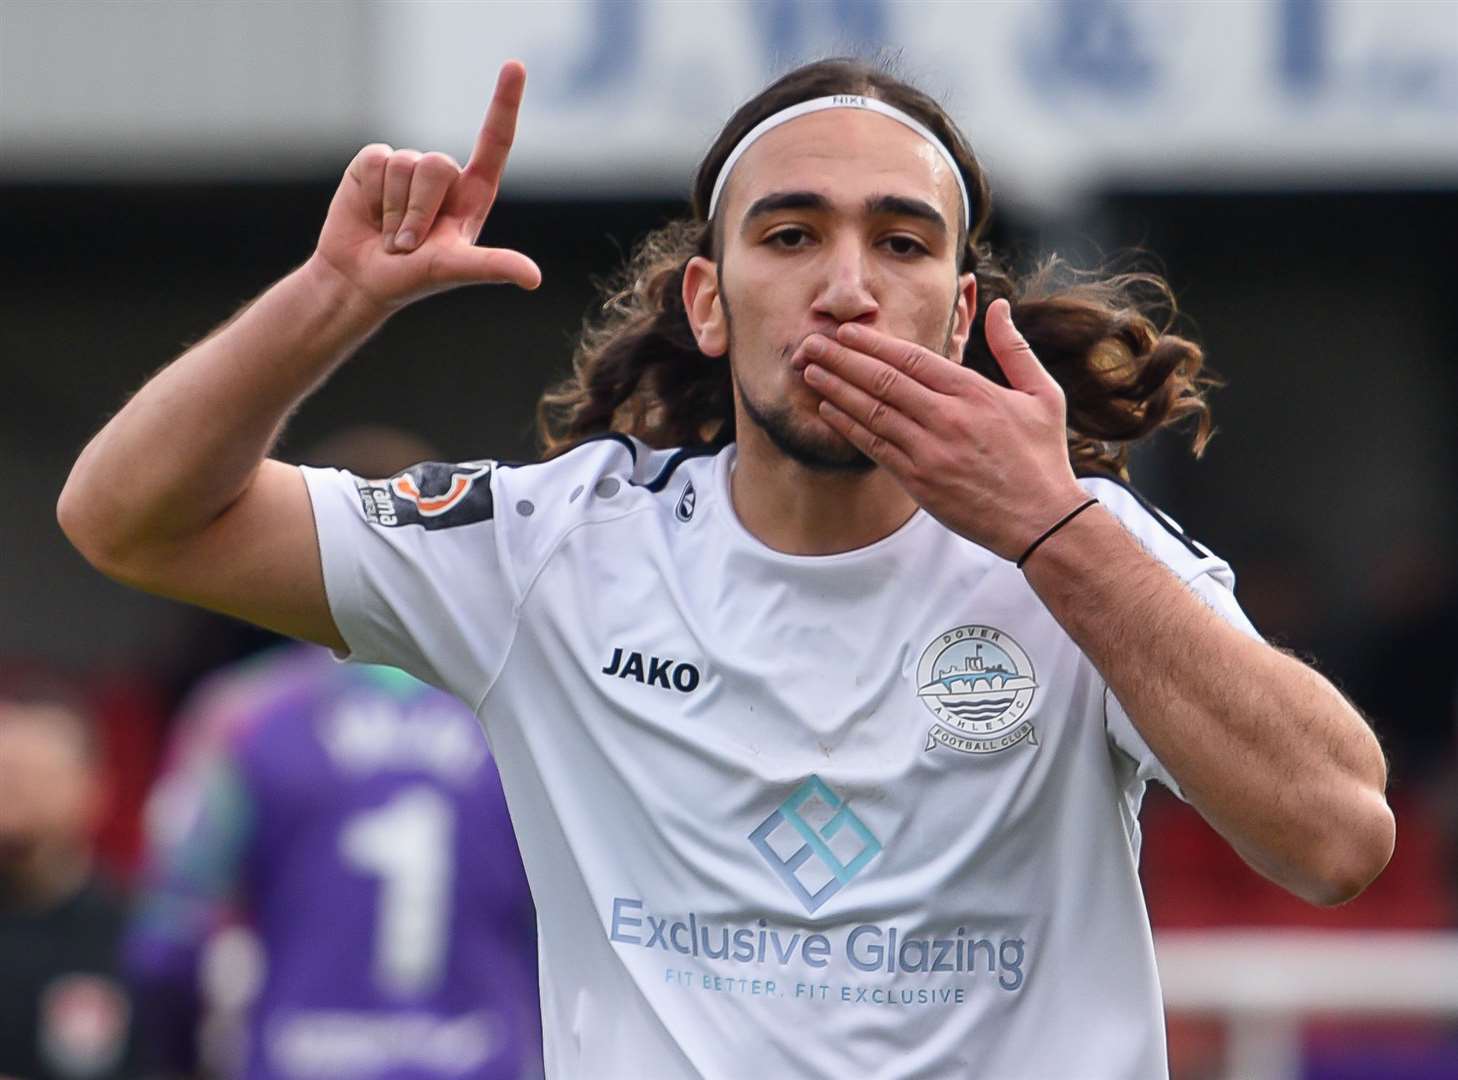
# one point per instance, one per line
(905, 246)
(789, 238)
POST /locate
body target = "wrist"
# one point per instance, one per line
(1084, 502)
(359, 311)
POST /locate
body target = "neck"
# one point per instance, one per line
(801, 511)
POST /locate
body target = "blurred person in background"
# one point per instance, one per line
(352, 819)
(1403, 670)
(64, 1011)
(695, 649)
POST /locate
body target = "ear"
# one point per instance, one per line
(705, 310)
(963, 313)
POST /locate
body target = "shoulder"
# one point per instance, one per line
(597, 482)
(436, 496)
(602, 459)
(470, 527)
(1160, 534)
(219, 716)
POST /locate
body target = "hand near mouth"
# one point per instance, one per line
(990, 462)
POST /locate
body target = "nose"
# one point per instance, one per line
(847, 294)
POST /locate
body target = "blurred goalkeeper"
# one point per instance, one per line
(351, 817)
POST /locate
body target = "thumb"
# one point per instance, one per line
(471, 265)
(1012, 351)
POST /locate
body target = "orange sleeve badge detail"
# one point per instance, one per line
(432, 494)
(432, 505)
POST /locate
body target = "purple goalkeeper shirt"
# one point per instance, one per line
(356, 817)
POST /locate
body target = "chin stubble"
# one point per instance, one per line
(791, 439)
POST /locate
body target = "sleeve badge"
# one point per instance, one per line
(433, 495)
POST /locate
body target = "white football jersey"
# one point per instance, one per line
(861, 815)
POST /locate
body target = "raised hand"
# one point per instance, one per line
(989, 462)
(403, 224)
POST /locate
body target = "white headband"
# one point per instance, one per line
(839, 101)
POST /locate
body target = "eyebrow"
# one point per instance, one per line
(901, 206)
(785, 200)
(892, 205)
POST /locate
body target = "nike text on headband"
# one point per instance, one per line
(839, 101)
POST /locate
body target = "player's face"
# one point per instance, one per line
(839, 216)
(47, 783)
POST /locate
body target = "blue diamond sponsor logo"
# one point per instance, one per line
(814, 843)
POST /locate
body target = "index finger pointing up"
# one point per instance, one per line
(493, 141)
(482, 174)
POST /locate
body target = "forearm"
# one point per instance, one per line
(188, 443)
(1264, 747)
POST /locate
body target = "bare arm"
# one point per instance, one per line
(1264, 747)
(175, 495)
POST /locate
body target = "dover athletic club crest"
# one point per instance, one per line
(979, 684)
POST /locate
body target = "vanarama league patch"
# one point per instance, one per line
(979, 684)
(433, 495)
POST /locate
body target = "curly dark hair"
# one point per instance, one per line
(1104, 336)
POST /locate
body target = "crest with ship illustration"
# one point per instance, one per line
(979, 684)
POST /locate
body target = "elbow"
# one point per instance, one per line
(84, 526)
(71, 516)
(76, 524)
(1352, 861)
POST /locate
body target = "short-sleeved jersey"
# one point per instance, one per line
(355, 816)
(869, 814)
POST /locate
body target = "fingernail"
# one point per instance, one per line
(815, 346)
(813, 372)
(405, 239)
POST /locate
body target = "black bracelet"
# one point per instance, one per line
(1064, 520)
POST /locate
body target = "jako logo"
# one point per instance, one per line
(685, 508)
(814, 843)
(661, 671)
